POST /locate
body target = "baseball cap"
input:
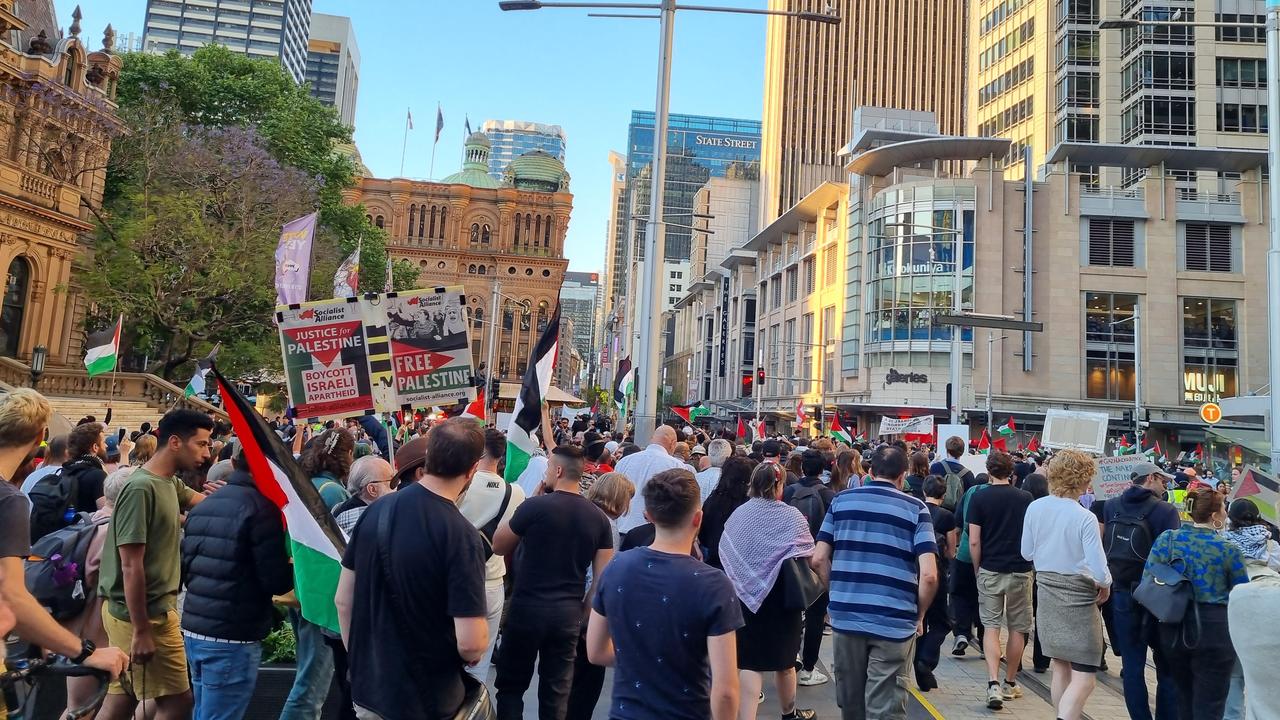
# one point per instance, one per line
(1146, 469)
(410, 456)
(611, 446)
(113, 446)
(771, 448)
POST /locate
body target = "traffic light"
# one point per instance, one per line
(494, 386)
(760, 378)
(748, 384)
(1128, 419)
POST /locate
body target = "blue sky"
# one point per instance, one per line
(553, 66)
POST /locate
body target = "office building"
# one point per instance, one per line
(513, 138)
(906, 54)
(333, 64)
(580, 299)
(261, 29)
(471, 230)
(1046, 74)
(700, 148)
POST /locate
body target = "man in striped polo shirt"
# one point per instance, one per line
(878, 551)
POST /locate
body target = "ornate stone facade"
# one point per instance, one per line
(472, 230)
(57, 120)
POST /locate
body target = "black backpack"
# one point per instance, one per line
(51, 497)
(1127, 539)
(55, 570)
(808, 500)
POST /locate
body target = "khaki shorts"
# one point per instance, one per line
(166, 674)
(1004, 600)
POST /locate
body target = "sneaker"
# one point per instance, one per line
(995, 700)
(925, 679)
(809, 678)
(826, 631)
(799, 714)
(1011, 690)
(960, 645)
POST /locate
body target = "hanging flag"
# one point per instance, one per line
(468, 125)
(742, 429)
(984, 442)
(838, 432)
(1007, 429)
(197, 384)
(801, 416)
(533, 391)
(690, 412)
(1123, 447)
(439, 121)
(316, 541)
(998, 443)
(103, 349)
(1034, 445)
(862, 437)
(293, 260)
(389, 285)
(409, 118)
(346, 281)
(624, 380)
(475, 409)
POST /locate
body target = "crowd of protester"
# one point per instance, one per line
(705, 570)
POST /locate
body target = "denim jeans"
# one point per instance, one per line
(315, 671)
(495, 598)
(1127, 617)
(1235, 697)
(223, 676)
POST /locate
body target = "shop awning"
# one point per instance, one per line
(555, 396)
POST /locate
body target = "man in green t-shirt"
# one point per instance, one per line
(141, 571)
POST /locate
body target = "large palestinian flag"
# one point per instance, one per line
(102, 348)
(690, 413)
(623, 382)
(316, 541)
(528, 411)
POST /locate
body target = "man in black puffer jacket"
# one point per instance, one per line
(234, 560)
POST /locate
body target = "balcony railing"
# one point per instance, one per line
(1113, 193)
(1205, 197)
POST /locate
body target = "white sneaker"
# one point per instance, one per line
(809, 678)
(960, 645)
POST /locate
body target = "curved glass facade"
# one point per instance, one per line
(912, 263)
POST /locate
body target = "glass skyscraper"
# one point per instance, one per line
(513, 138)
(258, 28)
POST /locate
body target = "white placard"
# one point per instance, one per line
(948, 431)
(1074, 430)
(922, 425)
(1115, 474)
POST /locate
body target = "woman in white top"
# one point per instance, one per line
(1062, 539)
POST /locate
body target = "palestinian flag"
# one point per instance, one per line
(102, 349)
(1034, 445)
(1124, 447)
(316, 542)
(862, 437)
(528, 411)
(624, 381)
(197, 384)
(346, 281)
(802, 417)
(476, 408)
(1007, 429)
(742, 429)
(998, 443)
(690, 413)
(1153, 452)
(984, 442)
(838, 432)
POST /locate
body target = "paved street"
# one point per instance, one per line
(961, 695)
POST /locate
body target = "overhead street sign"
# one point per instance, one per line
(1211, 413)
(988, 321)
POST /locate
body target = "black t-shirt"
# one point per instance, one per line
(559, 536)
(404, 651)
(715, 513)
(999, 511)
(661, 609)
(15, 521)
(89, 478)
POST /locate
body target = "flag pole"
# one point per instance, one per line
(404, 147)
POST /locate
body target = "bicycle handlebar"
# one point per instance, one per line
(54, 665)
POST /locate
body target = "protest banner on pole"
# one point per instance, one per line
(1115, 474)
(922, 425)
(326, 361)
(430, 347)
(293, 260)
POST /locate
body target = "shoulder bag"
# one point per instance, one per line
(1166, 592)
(476, 705)
(801, 586)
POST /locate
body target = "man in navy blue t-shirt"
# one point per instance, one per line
(667, 622)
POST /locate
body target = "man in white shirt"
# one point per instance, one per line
(717, 452)
(639, 467)
(487, 503)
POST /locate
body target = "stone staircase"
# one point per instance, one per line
(127, 414)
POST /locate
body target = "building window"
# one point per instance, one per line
(432, 229)
(777, 292)
(484, 234)
(475, 233)
(1159, 115)
(764, 293)
(793, 285)
(810, 276)
(1208, 247)
(444, 219)
(413, 215)
(1111, 242)
(546, 238)
(517, 237)
(1078, 47)
(1242, 72)
(1210, 354)
(1242, 34)
(829, 260)
(1109, 358)
(1237, 117)
(380, 221)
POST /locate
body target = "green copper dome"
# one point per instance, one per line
(538, 170)
(475, 164)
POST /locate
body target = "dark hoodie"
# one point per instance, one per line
(87, 473)
(1163, 517)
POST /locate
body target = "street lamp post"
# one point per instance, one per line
(991, 342)
(650, 301)
(38, 358)
(957, 353)
(1273, 191)
(1136, 319)
(493, 328)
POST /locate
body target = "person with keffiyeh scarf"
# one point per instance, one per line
(1251, 534)
(761, 535)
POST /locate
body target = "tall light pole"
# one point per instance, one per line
(1136, 319)
(991, 343)
(650, 301)
(1273, 191)
(957, 349)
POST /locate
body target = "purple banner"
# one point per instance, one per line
(293, 260)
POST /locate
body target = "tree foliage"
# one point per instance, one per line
(221, 151)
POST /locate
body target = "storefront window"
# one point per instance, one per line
(1210, 356)
(1109, 351)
